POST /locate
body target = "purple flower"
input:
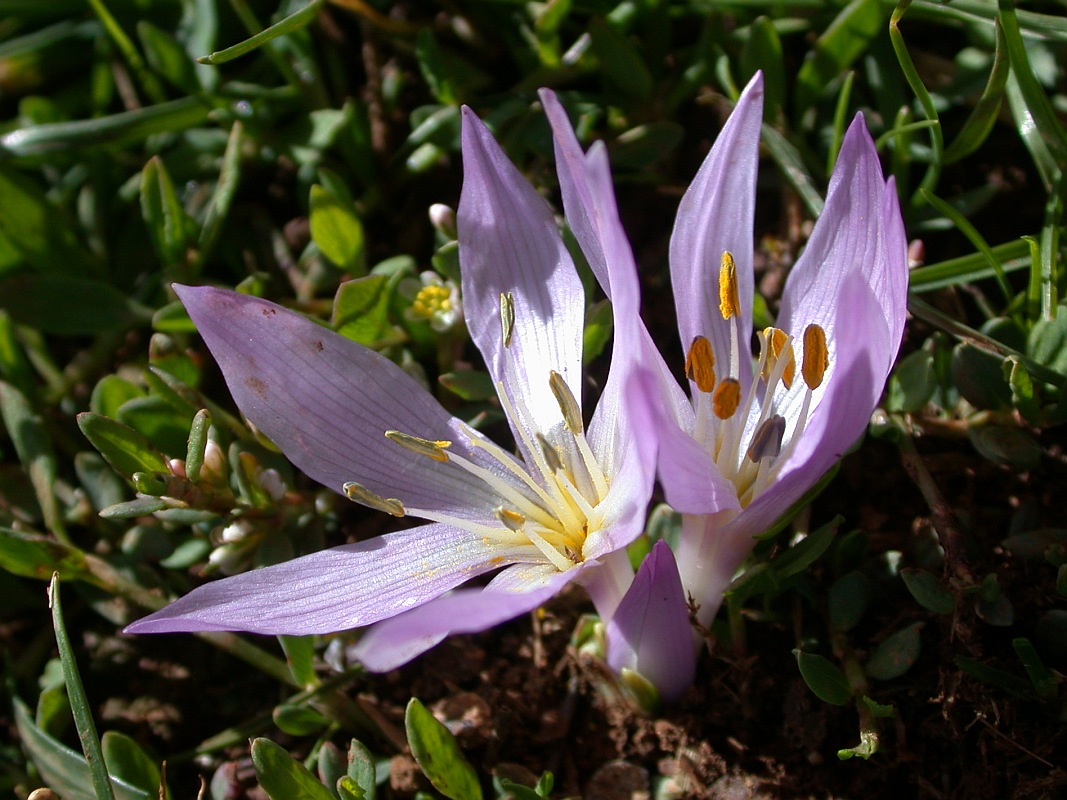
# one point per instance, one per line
(769, 430)
(354, 421)
(650, 633)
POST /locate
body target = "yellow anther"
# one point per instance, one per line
(358, 493)
(507, 317)
(778, 341)
(729, 304)
(555, 463)
(726, 398)
(568, 404)
(816, 356)
(424, 447)
(512, 520)
(767, 441)
(700, 364)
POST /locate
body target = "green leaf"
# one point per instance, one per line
(979, 376)
(300, 653)
(34, 448)
(1046, 683)
(1047, 342)
(893, 657)
(598, 326)
(646, 144)
(763, 51)
(293, 22)
(928, 590)
(38, 230)
(438, 754)
(361, 769)
(620, 60)
(62, 769)
(912, 383)
(163, 213)
(79, 702)
(825, 680)
(361, 310)
(1013, 447)
(168, 58)
(470, 384)
(848, 37)
(110, 393)
(298, 720)
(33, 556)
(282, 777)
(985, 112)
(69, 306)
(849, 596)
(434, 69)
(126, 450)
(127, 761)
(1012, 684)
(878, 710)
(132, 509)
(116, 130)
(337, 230)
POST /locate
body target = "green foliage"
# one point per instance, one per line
(438, 754)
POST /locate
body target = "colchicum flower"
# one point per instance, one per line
(766, 432)
(354, 421)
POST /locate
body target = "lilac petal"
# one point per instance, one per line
(691, 481)
(515, 591)
(336, 589)
(509, 244)
(859, 236)
(848, 237)
(589, 204)
(327, 403)
(716, 215)
(845, 408)
(650, 632)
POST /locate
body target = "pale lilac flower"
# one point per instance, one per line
(354, 421)
(768, 431)
(650, 633)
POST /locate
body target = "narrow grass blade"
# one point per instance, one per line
(291, 23)
(79, 703)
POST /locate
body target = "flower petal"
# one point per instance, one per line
(514, 591)
(589, 204)
(509, 244)
(327, 403)
(716, 215)
(692, 483)
(859, 235)
(332, 590)
(650, 632)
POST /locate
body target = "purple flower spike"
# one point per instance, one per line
(650, 633)
(354, 421)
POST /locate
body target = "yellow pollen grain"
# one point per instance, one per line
(512, 520)
(816, 356)
(729, 304)
(700, 364)
(778, 340)
(726, 398)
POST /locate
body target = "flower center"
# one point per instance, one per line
(550, 505)
(432, 300)
(746, 432)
